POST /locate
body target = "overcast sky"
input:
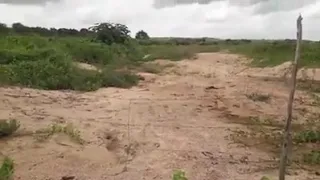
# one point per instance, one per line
(183, 18)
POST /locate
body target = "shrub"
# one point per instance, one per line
(123, 79)
(85, 80)
(51, 73)
(8, 127)
(68, 130)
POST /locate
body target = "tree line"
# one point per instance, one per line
(107, 31)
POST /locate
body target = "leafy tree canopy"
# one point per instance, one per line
(142, 35)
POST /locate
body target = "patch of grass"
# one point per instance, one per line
(307, 136)
(151, 68)
(68, 130)
(154, 68)
(312, 157)
(309, 85)
(179, 175)
(7, 169)
(8, 127)
(267, 135)
(174, 52)
(272, 53)
(259, 97)
(122, 79)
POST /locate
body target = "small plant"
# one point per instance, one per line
(308, 136)
(69, 130)
(316, 99)
(8, 127)
(154, 68)
(265, 178)
(259, 97)
(312, 158)
(6, 169)
(179, 175)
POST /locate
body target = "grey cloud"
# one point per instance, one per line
(261, 6)
(281, 5)
(27, 2)
(171, 3)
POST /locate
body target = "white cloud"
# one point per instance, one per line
(220, 18)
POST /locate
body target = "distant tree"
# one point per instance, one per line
(142, 35)
(84, 31)
(3, 28)
(53, 31)
(111, 33)
(20, 28)
(40, 31)
(67, 32)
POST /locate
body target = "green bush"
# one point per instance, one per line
(85, 80)
(51, 73)
(8, 127)
(179, 175)
(123, 79)
(58, 72)
(7, 169)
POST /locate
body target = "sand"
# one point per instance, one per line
(173, 120)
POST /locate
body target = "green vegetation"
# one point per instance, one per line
(263, 52)
(259, 97)
(266, 134)
(68, 130)
(312, 157)
(6, 169)
(307, 136)
(35, 61)
(265, 178)
(44, 58)
(179, 175)
(142, 35)
(8, 127)
(42, 63)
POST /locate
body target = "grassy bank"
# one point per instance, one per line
(47, 63)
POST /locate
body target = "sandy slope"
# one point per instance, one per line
(176, 120)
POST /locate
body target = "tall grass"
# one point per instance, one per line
(265, 53)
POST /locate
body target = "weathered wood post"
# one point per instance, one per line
(287, 140)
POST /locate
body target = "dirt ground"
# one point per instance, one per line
(173, 120)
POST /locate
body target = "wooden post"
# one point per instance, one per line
(287, 129)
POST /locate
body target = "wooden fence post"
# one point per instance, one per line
(287, 140)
